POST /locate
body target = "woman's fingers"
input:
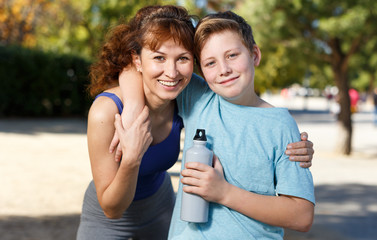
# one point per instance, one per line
(304, 136)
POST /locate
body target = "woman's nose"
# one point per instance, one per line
(171, 70)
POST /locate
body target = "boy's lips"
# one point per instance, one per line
(228, 80)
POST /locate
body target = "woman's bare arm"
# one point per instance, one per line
(115, 182)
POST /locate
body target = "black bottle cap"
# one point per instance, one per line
(200, 135)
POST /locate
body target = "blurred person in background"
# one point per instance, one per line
(354, 97)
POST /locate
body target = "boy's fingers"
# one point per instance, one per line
(196, 166)
(217, 164)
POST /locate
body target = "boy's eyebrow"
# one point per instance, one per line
(227, 51)
(206, 59)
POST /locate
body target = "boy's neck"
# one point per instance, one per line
(252, 100)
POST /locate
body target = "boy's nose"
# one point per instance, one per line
(224, 68)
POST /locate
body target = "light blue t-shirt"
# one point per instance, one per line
(250, 143)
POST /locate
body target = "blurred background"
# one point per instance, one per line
(319, 60)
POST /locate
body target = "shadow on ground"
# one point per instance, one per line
(343, 212)
(41, 228)
(41, 125)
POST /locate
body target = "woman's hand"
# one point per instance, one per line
(205, 181)
(136, 139)
(301, 151)
(116, 145)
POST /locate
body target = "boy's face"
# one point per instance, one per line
(228, 67)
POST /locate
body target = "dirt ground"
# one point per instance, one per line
(44, 171)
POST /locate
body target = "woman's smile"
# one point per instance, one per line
(169, 83)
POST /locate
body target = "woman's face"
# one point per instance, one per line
(166, 71)
(228, 67)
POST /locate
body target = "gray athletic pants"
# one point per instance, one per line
(145, 219)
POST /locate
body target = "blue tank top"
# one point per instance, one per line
(158, 158)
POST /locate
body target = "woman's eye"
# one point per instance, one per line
(159, 58)
(184, 59)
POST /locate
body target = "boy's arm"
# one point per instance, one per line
(130, 82)
(283, 211)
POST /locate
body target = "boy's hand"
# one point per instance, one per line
(205, 181)
(301, 151)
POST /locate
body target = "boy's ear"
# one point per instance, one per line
(257, 55)
(137, 62)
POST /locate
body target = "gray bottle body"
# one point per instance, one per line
(194, 208)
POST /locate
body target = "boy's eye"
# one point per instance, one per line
(232, 55)
(209, 64)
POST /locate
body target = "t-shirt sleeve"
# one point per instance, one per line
(191, 94)
(291, 179)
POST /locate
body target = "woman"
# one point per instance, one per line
(134, 198)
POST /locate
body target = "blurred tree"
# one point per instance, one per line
(82, 25)
(201, 8)
(102, 15)
(64, 26)
(18, 20)
(307, 34)
(283, 60)
(363, 68)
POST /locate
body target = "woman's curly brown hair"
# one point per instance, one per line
(150, 27)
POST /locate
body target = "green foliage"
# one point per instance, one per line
(35, 83)
(300, 36)
(86, 24)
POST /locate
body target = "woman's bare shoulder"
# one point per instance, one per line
(102, 110)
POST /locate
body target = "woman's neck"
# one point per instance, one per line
(161, 114)
(158, 107)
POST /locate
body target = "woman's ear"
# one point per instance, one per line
(137, 62)
(257, 55)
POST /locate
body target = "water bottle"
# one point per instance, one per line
(194, 208)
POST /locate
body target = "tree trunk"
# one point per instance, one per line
(344, 145)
